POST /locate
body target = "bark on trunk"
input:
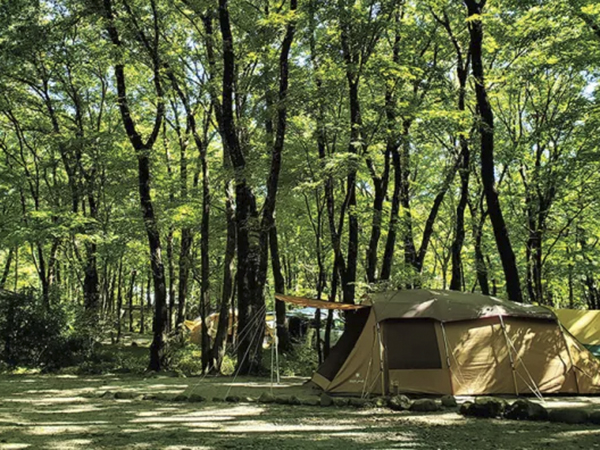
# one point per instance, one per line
(486, 129)
(6, 270)
(143, 150)
(130, 300)
(284, 344)
(226, 304)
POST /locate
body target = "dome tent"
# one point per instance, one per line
(446, 342)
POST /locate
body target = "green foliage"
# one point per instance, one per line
(34, 335)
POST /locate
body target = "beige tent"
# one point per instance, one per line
(444, 342)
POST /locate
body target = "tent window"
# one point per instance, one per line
(411, 344)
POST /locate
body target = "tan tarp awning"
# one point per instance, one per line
(320, 304)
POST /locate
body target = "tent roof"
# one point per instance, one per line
(448, 306)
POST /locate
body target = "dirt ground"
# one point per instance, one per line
(67, 412)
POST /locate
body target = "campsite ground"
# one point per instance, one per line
(68, 412)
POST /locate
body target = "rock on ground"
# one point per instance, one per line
(326, 400)
(486, 407)
(425, 405)
(265, 397)
(399, 403)
(524, 409)
(568, 415)
(595, 417)
(449, 401)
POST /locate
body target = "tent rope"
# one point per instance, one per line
(232, 348)
(535, 390)
(250, 345)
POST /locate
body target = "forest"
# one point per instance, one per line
(176, 159)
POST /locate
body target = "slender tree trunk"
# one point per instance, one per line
(204, 260)
(486, 129)
(142, 300)
(119, 309)
(184, 272)
(6, 270)
(228, 283)
(171, 271)
(130, 299)
(285, 344)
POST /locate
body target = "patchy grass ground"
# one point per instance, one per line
(66, 412)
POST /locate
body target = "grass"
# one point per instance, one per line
(67, 412)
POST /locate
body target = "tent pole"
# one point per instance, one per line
(562, 332)
(510, 356)
(447, 350)
(381, 359)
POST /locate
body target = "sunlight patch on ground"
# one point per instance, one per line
(575, 433)
(69, 444)
(76, 409)
(50, 430)
(45, 401)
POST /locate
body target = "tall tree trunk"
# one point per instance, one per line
(143, 150)
(486, 129)
(228, 283)
(283, 336)
(141, 302)
(204, 258)
(6, 270)
(251, 314)
(90, 280)
(184, 272)
(252, 252)
(130, 299)
(119, 309)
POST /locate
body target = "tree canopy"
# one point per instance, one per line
(194, 156)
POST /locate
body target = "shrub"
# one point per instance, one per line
(36, 335)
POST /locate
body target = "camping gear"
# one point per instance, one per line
(212, 321)
(446, 342)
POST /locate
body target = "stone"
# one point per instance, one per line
(121, 395)
(180, 398)
(425, 405)
(340, 401)
(380, 402)
(524, 409)
(399, 403)
(359, 402)
(310, 402)
(326, 400)
(195, 398)
(293, 400)
(486, 407)
(464, 408)
(595, 417)
(233, 399)
(282, 400)
(448, 401)
(568, 415)
(265, 397)
(107, 394)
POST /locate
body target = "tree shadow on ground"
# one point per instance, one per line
(42, 415)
